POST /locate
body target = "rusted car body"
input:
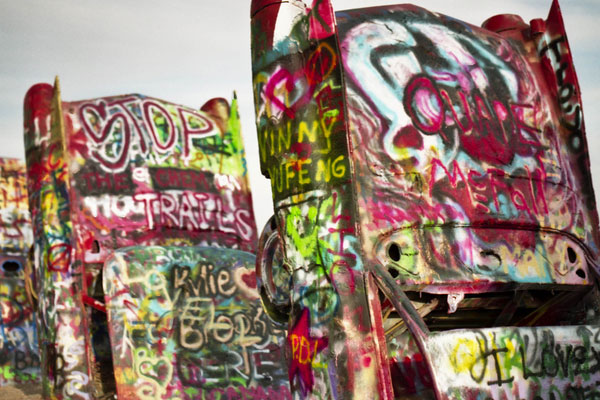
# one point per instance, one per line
(115, 172)
(19, 352)
(435, 231)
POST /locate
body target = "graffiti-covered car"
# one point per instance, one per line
(435, 231)
(19, 352)
(122, 190)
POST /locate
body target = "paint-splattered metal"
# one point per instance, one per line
(19, 351)
(114, 172)
(186, 323)
(428, 175)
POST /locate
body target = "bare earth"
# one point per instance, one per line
(11, 393)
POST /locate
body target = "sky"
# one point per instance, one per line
(189, 51)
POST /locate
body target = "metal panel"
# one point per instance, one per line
(187, 323)
(463, 163)
(301, 126)
(146, 171)
(65, 362)
(19, 350)
(410, 151)
(518, 363)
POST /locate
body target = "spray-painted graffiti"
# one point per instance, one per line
(15, 224)
(186, 323)
(61, 326)
(115, 172)
(147, 166)
(301, 126)
(121, 127)
(526, 363)
(421, 154)
(19, 350)
(520, 363)
(456, 117)
(301, 152)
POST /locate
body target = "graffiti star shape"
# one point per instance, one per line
(304, 350)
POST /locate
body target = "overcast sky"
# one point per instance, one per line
(187, 52)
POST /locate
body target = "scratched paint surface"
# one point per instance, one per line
(303, 149)
(61, 327)
(187, 323)
(454, 157)
(19, 350)
(465, 161)
(15, 222)
(113, 172)
(501, 363)
(518, 363)
(143, 169)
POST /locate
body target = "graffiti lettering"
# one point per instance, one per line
(203, 332)
(99, 182)
(274, 142)
(198, 323)
(205, 284)
(549, 357)
(190, 211)
(209, 371)
(484, 124)
(299, 173)
(26, 360)
(484, 189)
(111, 125)
(304, 349)
(188, 179)
(306, 150)
(193, 211)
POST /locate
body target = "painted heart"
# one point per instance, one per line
(157, 369)
(92, 117)
(245, 280)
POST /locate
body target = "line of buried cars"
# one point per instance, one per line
(435, 233)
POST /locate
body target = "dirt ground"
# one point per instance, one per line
(11, 393)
